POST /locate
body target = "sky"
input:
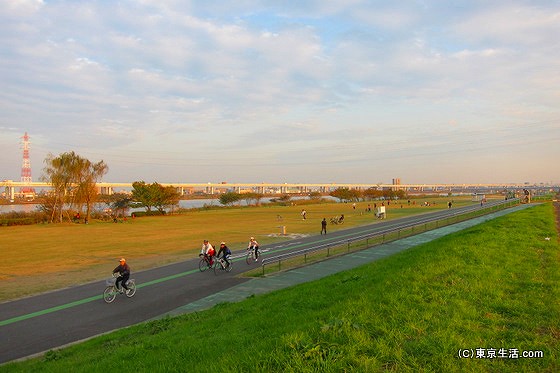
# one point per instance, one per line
(309, 91)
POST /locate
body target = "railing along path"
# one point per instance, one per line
(488, 208)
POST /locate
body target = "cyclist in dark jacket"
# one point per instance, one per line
(226, 253)
(124, 271)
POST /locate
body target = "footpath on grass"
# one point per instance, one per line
(328, 267)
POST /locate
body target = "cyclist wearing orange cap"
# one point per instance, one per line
(124, 271)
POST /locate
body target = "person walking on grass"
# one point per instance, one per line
(324, 226)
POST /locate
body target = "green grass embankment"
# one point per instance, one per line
(491, 287)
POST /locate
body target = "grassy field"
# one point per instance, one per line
(491, 287)
(45, 257)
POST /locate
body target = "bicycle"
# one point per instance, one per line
(111, 290)
(337, 220)
(221, 266)
(251, 256)
(205, 263)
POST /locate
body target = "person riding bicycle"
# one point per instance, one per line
(124, 274)
(208, 252)
(254, 245)
(225, 252)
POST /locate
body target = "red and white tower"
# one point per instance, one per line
(26, 168)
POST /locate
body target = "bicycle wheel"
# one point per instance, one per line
(218, 268)
(229, 267)
(109, 294)
(249, 258)
(131, 285)
(203, 265)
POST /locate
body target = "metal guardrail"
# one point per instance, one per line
(489, 207)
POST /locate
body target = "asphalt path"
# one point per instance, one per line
(40, 323)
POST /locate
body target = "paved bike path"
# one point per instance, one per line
(326, 268)
(33, 325)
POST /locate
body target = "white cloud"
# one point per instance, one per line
(23, 7)
(313, 85)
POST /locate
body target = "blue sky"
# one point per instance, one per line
(257, 91)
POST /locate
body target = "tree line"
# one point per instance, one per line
(74, 190)
(349, 195)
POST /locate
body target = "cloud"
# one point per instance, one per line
(349, 83)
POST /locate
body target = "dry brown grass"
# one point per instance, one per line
(45, 257)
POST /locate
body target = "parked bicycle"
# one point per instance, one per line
(111, 290)
(337, 219)
(206, 262)
(222, 266)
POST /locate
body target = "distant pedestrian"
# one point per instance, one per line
(354, 206)
(303, 214)
(324, 226)
(449, 204)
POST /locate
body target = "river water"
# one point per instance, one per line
(184, 203)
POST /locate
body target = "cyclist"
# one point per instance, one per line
(124, 271)
(254, 245)
(226, 253)
(208, 252)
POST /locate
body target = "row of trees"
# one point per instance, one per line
(230, 198)
(348, 195)
(74, 180)
(153, 197)
(343, 194)
(74, 188)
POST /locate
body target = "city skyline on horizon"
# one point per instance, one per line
(26, 163)
(325, 92)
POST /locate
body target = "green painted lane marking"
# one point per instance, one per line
(172, 277)
(100, 296)
(49, 310)
(86, 300)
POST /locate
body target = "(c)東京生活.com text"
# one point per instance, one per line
(498, 353)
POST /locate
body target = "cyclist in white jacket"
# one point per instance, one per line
(208, 251)
(254, 245)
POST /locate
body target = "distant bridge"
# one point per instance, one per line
(276, 188)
